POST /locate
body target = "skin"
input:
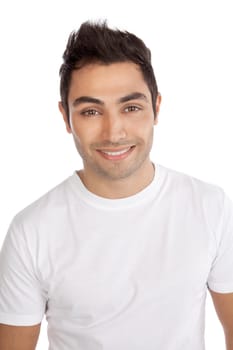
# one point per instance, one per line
(19, 338)
(223, 304)
(112, 125)
(106, 122)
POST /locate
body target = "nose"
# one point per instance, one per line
(114, 128)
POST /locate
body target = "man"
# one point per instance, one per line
(120, 254)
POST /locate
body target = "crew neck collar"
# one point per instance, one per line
(120, 203)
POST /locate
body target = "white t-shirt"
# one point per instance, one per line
(128, 273)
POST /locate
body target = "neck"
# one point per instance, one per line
(119, 188)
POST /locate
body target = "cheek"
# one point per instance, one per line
(85, 132)
(143, 128)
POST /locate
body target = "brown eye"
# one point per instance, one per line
(90, 113)
(132, 109)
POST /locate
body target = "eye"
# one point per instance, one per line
(90, 112)
(132, 109)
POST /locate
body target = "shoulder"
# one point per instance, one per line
(195, 191)
(49, 205)
(183, 181)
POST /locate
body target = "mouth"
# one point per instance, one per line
(116, 154)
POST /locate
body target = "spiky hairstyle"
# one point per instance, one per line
(96, 42)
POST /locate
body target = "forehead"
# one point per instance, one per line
(112, 80)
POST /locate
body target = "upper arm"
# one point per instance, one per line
(23, 296)
(19, 337)
(223, 303)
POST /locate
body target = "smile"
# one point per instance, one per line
(116, 155)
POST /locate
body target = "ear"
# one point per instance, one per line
(65, 117)
(157, 107)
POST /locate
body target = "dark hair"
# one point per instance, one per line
(96, 42)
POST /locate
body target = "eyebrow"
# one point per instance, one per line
(133, 96)
(89, 99)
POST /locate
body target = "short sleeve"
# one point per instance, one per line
(220, 279)
(22, 300)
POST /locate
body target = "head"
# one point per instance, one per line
(109, 102)
(96, 43)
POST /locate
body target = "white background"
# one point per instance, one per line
(191, 44)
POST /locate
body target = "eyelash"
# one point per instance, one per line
(93, 112)
(132, 108)
(89, 113)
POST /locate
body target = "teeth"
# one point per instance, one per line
(116, 153)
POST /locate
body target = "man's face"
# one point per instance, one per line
(111, 119)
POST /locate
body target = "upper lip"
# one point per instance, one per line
(114, 149)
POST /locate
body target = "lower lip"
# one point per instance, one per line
(117, 157)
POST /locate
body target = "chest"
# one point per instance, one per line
(102, 267)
